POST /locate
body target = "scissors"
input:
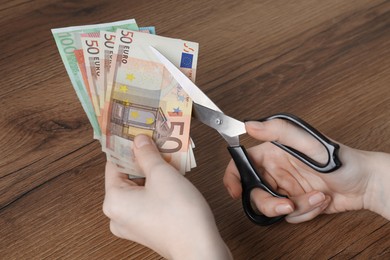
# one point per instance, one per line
(230, 129)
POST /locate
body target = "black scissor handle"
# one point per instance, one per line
(332, 148)
(250, 179)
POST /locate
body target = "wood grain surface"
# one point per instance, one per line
(325, 61)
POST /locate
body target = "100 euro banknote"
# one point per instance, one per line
(142, 97)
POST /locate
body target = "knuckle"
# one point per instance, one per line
(281, 126)
(227, 179)
(276, 128)
(261, 204)
(111, 211)
(114, 230)
(264, 209)
(106, 209)
(288, 183)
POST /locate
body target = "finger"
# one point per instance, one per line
(122, 203)
(308, 206)
(114, 178)
(288, 134)
(271, 206)
(266, 159)
(139, 181)
(232, 180)
(147, 155)
(309, 215)
(116, 229)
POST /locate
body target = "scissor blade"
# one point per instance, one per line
(189, 87)
(225, 125)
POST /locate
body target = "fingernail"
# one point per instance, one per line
(141, 140)
(283, 209)
(255, 125)
(316, 198)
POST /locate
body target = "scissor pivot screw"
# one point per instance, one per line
(218, 121)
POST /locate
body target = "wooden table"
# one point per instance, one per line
(325, 61)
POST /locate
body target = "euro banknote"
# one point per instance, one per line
(125, 91)
(91, 49)
(68, 40)
(142, 97)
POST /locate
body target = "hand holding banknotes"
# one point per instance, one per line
(359, 184)
(168, 214)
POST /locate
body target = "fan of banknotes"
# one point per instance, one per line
(125, 90)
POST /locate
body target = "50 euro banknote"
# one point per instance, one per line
(68, 40)
(143, 98)
(94, 61)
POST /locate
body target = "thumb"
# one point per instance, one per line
(287, 134)
(147, 154)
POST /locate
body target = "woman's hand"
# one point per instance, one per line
(352, 187)
(168, 214)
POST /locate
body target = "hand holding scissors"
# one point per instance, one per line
(229, 128)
